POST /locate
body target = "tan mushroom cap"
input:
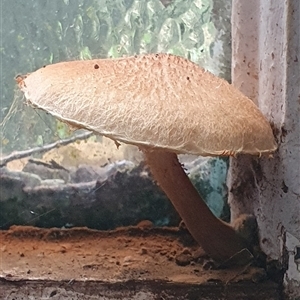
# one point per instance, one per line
(156, 100)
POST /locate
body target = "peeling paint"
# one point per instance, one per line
(292, 274)
(266, 38)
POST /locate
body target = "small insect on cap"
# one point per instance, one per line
(160, 101)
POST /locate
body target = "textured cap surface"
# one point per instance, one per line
(157, 100)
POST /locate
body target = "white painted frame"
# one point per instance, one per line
(266, 67)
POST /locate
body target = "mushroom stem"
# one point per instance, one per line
(217, 238)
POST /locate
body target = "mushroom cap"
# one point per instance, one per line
(159, 101)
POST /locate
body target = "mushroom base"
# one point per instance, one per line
(217, 238)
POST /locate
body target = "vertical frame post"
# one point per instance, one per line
(266, 67)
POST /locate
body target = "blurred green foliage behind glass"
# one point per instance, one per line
(40, 32)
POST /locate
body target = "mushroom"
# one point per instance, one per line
(165, 105)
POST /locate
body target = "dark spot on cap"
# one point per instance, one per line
(188, 78)
(96, 66)
(44, 66)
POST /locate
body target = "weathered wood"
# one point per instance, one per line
(137, 262)
(135, 289)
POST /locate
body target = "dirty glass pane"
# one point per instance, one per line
(88, 181)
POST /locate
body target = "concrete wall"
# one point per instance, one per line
(266, 67)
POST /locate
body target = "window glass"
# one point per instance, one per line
(88, 181)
